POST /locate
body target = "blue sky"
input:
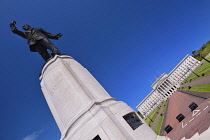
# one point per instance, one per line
(123, 43)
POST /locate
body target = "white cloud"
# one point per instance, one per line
(33, 136)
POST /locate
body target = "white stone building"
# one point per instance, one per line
(166, 85)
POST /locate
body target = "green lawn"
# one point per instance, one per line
(164, 109)
(183, 88)
(160, 121)
(204, 67)
(159, 124)
(153, 115)
(198, 88)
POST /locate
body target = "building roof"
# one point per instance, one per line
(158, 80)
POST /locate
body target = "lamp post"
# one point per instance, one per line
(151, 107)
(193, 72)
(147, 116)
(199, 55)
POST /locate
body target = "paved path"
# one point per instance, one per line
(200, 81)
(157, 117)
(204, 95)
(196, 121)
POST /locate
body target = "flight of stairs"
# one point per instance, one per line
(162, 138)
(203, 136)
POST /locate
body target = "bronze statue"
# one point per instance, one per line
(37, 39)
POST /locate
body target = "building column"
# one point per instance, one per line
(160, 92)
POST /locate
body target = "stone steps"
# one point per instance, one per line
(203, 136)
(162, 138)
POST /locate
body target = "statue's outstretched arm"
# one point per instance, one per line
(15, 30)
(49, 35)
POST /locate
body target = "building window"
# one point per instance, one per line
(97, 138)
(166, 84)
(133, 120)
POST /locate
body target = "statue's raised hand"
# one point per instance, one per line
(59, 35)
(13, 22)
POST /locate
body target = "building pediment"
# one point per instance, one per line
(159, 80)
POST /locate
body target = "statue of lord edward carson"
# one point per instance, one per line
(38, 40)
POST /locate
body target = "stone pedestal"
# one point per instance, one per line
(83, 110)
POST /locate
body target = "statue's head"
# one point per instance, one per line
(26, 27)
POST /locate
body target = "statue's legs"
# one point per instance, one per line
(49, 45)
(42, 46)
(43, 52)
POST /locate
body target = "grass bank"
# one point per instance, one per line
(152, 116)
(160, 121)
(198, 88)
(204, 68)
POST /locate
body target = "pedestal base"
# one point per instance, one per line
(82, 108)
(106, 121)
